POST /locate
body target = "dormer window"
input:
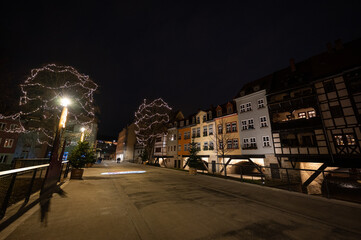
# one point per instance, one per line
(204, 118)
(229, 109)
(198, 120)
(193, 120)
(209, 115)
(219, 111)
(187, 122)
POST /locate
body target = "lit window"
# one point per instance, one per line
(260, 103)
(311, 114)
(8, 143)
(263, 121)
(350, 139)
(302, 115)
(339, 140)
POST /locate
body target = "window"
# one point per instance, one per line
(248, 107)
(205, 146)
(242, 108)
(198, 146)
(8, 143)
(185, 147)
(350, 138)
(329, 86)
(266, 141)
(229, 144)
(336, 111)
(193, 133)
(211, 145)
(228, 127)
(179, 147)
(198, 120)
(172, 137)
(13, 127)
(204, 118)
(220, 129)
(158, 139)
(2, 126)
(250, 124)
(301, 115)
(210, 130)
(219, 112)
(235, 143)
(229, 109)
(234, 127)
(253, 142)
(205, 131)
(198, 132)
(3, 158)
(220, 144)
(245, 143)
(180, 136)
(244, 125)
(260, 103)
(158, 150)
(263, 121)
(209, 115)
(311, 114)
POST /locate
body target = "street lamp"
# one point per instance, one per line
(64, 102)
(82, 134)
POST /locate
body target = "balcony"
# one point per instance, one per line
(298, 123)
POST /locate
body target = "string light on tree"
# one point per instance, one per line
(46, 91)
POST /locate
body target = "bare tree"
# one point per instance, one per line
(223, 141)
(150, 120)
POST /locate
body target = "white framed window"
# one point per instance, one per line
(2, 126)
(210, 127)
(220, 129)
(263, 121)
(8, 143)
(245, 143)
(248, 106)
(228, 127)
(205, 146)
(193, 133)
(229, 144)
(205, 131)
(244, 125)
(198, 120)
(211, 145)
(235, 143)
(253, 143)
(260, 103)
(242, 108)
(234, 127)
(198, 132)
(266, 141)
(250, 123)
(199, 146)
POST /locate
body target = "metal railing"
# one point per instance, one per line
(345, 185)
(18, 184)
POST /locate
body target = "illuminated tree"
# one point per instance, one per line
(39, 104)
(150, 121)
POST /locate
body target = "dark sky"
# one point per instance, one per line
(191, 54)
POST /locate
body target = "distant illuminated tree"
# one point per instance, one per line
(40, 100)
(150, 121)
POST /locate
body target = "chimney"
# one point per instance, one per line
(338, 44)
(329, 47)
(292, 65)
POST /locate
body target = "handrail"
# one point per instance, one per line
(7, 172)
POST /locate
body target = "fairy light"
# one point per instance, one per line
(149, 118)
(77, 94)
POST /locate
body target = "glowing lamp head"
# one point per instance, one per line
(65, 101)
(82, 129)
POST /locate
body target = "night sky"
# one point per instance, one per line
(190, 54)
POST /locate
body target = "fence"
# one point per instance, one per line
(18, 184)
(345, 185)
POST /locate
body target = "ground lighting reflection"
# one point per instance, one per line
(125, 172)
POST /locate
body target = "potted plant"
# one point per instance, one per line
(194, 161)
(79, 157)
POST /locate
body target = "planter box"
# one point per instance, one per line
(77, 173)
